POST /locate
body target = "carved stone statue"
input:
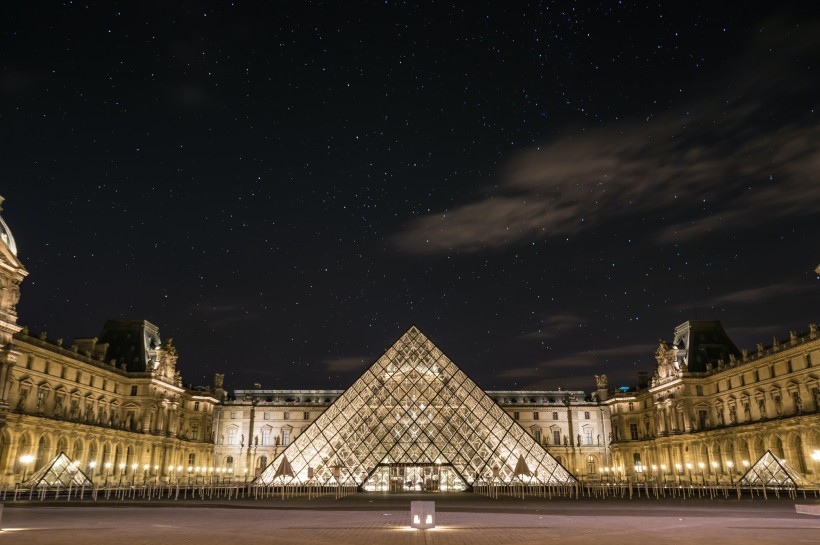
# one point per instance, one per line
(733, 414)
(579, 440)
(218, 380)
(798, 403)
(778, 406)
(747, 411)
(602, 382)
(761, 405)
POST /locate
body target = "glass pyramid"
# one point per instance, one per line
(769, 471)
(62, 471)
(415, 417)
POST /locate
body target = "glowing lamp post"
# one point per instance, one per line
(730, 464)
(107, 470)
(26, 459)
(689, 471)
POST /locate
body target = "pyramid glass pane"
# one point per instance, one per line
(414, 420)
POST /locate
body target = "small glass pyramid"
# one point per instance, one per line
(412, 419)
(62, 471)
(770, 471)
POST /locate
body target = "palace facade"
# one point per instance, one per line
(710, 409)
(117, 405)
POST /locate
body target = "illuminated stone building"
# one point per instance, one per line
(711, 409)
(115, 404)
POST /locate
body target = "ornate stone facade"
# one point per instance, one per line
(711, 409)
(122, 418)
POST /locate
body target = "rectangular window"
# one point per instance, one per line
(537, 435)
(286, 416)
(757, 375)
(535, 416)
(702, 419)
(233, 415)
(266, 416)
(195, 431)
(631, 407)
(285, 437)
(743, 380)
(555, 416)
(515, 415)
(306, 416)
(588, 435)
(788, 366)
(633, 431)
(556, 437)
(196, 405)
(134, 390)
(265, 436)
(698, 390)
(586, 415)
(231, 436)
(808, 360)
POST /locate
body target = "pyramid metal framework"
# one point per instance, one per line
(414, 406)
(62, 471)
(770, 471)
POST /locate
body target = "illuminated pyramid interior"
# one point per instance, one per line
(414, 421)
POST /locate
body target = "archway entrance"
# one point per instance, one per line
(414, 478)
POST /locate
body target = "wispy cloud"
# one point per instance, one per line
(352, 363)
(555, 325)
(711, 165)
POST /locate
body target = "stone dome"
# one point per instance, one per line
(5, 233)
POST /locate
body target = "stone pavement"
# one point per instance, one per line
(372, 519)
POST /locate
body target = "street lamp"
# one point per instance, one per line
(730, 464)
(714, 470)
(679, 471)
(122, 470)
(26, 459)
(107, 468)
(702, 467)
(689, 470)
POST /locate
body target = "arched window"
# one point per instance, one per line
(42, 445)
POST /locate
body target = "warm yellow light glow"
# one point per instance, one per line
(815, 455)
(27, 458)
(730, 463)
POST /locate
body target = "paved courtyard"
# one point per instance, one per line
(375, 519)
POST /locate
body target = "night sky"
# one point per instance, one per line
(544, 189)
